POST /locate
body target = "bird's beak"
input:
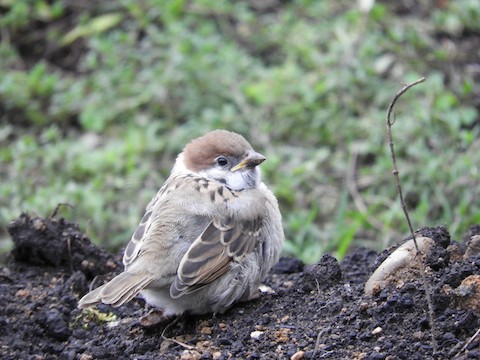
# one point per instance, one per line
(250, 161)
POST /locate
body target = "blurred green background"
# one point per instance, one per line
(98, 97)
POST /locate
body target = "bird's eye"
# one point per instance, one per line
(222, 161)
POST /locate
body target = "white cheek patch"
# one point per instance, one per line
(235, 180)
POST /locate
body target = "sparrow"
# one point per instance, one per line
(208, 237)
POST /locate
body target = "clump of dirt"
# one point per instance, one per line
(315, 311)
(57, 243)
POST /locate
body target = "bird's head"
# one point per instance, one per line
(223, 156)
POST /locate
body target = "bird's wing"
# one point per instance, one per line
(191, 187)
(211, 254)
(138, 239)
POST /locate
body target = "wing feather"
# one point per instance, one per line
(211, 254)
(181, 183)
(121, 289)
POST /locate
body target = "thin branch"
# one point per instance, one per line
(392, 152)
(467, 343)
(57, 208)
(178, 342)
(317, 343)
(404, 207)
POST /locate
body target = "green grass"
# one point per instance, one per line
(307, 82)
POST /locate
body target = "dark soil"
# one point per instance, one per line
(317, 311)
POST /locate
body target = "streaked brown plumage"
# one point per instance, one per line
(208, 237)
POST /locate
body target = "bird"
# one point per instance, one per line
(208, 237)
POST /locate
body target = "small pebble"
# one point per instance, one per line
(190, 355)
(264, 289)
(255, 335)
(363, 306)
(298, 355)
(206, 330)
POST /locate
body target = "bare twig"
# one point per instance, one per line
(467, 343)
(178, 342)
(57, 208)
(404, 207)
(392, 151)
(317, 343)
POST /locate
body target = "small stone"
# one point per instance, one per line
(399, 267)
(468, 293)
(473, 247)
(364, 306)
(377, 330)
(264, 289)
(298, 355)
(418, 335)
(23, 293)
(206, 330)
(455, 252)
(282, 335)
(190, 355)
(255, 335)
(359, 356)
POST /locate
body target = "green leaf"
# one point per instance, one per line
(95, 26)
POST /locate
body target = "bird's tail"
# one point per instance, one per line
(121, 289)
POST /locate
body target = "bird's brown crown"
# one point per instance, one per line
(201, 152)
